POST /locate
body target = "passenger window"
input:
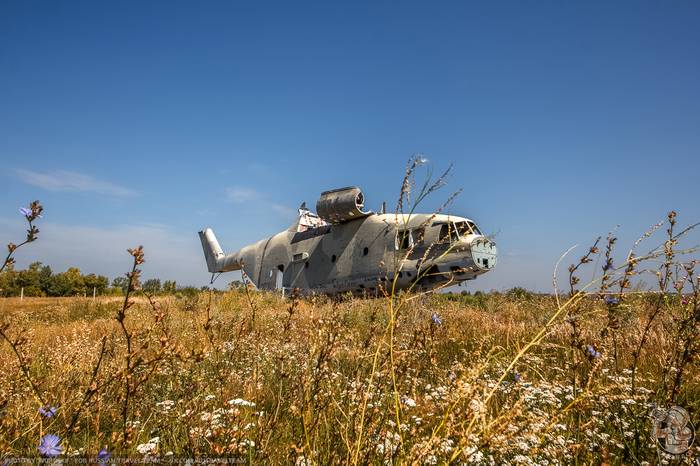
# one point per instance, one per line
(403, 239)
(444, 233)
(418, 235)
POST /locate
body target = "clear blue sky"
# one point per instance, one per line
(142, 122)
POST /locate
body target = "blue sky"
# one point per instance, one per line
(142, 122)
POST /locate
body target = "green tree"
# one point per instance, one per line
(68, 283)
(169, 287)
(151, 286)
(45, 279)
(97, 282)
(9, 281)
(236, 285)
(120, 282)
(30, 280)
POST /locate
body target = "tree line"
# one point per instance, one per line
(39, 280)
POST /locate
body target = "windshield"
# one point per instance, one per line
(467, 228)
(453, 231)
(448, 233)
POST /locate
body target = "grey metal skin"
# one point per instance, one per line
(344, 249)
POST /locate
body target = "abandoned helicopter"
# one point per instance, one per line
(342, 248)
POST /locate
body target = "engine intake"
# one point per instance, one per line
(341, 205)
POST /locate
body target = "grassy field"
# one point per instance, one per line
(430, 379)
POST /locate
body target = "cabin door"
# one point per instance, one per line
(278, 279)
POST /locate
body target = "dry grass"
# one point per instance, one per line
(297, 385)
(409, 378)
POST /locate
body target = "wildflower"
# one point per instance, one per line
(103, 456)
(166, 405)
(33, 212)
(684, 301)
(149, 447)
(591, 351)
(50, 445)
(146, 448)
(475, 405)
(447, 446)
(611, 300)
(516, 376)
(436, 319)
(241, 402)
(410, 402)
(608, 265)
(48, 411)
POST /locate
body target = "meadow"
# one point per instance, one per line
(579, 376)
(256, 377)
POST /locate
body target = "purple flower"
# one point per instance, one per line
(611, 300)
(48, 411)
(26, 212)
(50, 445)
(684, 301)
(516, 376)
(591, 351)
(103, 455)
(436, 319)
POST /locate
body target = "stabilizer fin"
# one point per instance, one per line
(217, 261)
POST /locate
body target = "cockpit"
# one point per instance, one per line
(453, 231)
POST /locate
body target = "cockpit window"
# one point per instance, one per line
(448, 233)
(474, 228)
(467, 228)
(463, 228)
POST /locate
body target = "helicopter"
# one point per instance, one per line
(342, 248)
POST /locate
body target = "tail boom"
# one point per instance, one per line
(217, 261)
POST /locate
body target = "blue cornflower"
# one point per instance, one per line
(516, 376)
(26, 212)
(611, 300)
(103, 455)
(50, 445)
(48, 411)
(436, 319)
(591, 351)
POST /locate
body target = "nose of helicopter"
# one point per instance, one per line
(484, 253)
